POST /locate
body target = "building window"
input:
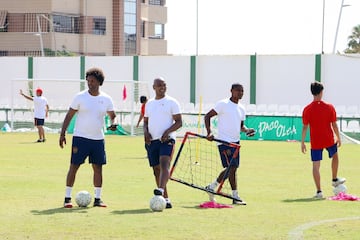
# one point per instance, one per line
(130, 27)
(159, 30)
(157, 2)
(143, 23)
(66, 24)
(99, 26)
(156, 30)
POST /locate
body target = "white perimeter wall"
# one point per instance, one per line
(284, 79)
(10, 68)
(341, 76)
(215, 75)
(175, 70)
(280, 79)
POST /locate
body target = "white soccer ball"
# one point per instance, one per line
(83, 198)
(157, 203)
(340, 188)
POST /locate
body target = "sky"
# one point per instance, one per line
(265, 27)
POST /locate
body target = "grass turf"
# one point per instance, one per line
(274, 178)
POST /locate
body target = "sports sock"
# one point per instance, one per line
(235, 193)
(335, 179)
(161, 190)
(167, 200)
(97, 192)
(68, 191)
(214, 184)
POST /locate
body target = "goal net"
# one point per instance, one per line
(345, 138)
(198, 164)
(60, 92)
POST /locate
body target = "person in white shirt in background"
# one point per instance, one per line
(41, 111)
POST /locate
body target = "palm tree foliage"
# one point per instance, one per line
(354, 41)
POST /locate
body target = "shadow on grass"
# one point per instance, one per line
(303, 200)
(133, 211)
(137, 157)
(30, 143)
(198, 207)
(192, 207)
(225, 206)
(59, 210)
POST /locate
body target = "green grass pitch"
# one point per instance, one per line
(274, 179)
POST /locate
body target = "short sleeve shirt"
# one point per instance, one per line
(142, 110)
(160, 114)
(319, 115)
(230, 115)
(40, 103)
(91, 111)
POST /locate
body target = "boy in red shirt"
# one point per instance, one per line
(321, 117)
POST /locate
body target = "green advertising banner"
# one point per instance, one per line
(277, 128)
(273, 128)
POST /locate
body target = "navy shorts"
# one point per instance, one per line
(317, 154)
(84, 147)
(226, 155)
(157, 148)
(39, 122)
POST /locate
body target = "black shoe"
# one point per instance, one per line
(157, 192)
(99, 203)
(168, 205)
(67, 203)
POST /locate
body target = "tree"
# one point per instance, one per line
(59, 53)
(354, 41)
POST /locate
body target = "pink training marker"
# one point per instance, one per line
(214, 205)
(344, 197)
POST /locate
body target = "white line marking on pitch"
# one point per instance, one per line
(297, 233)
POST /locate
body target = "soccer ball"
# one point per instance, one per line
(157, 203)
(83, 198)
(340, 188)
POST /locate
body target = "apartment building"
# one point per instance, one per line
(82, 27)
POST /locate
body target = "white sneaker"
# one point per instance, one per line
(211, 196)
(338, 182)
(238, 201)
(319, 195)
